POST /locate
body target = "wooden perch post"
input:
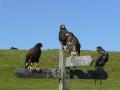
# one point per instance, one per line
(63, 81)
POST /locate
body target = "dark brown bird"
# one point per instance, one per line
(62, 36)
(102, 57)
(73, 44)
(33, 56)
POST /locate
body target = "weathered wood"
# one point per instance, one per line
(63, 82)
(78, 61)
(61, 71)
(88, 74)
(53, 73)
(42, 73)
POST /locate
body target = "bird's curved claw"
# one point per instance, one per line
(30, 68)
(73, 55)
(37, 69)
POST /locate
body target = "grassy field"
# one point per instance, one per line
(10, 60)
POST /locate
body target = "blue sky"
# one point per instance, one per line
(23, 23)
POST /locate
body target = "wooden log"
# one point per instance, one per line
(88, 74)
(42, 73)
(53, 73)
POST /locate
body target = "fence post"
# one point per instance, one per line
(63, 81)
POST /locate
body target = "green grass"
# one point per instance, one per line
(10, 60)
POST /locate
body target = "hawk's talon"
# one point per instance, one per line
(30, 68)
(37, 69)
